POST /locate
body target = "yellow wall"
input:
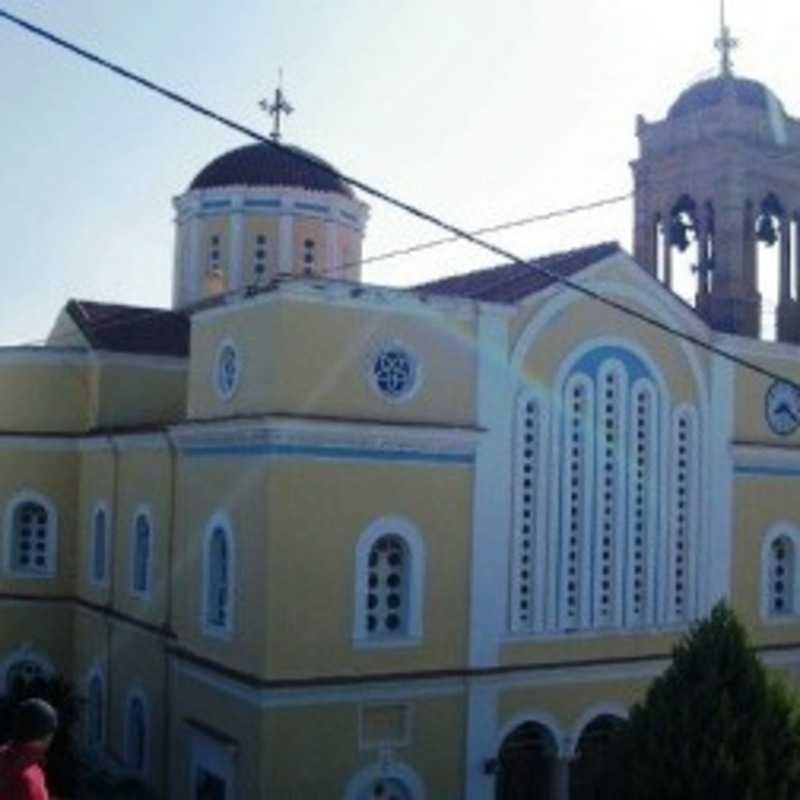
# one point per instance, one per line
(237, 487)
(310, 359)
(311, 563)
(750, 396)
(131, 395)
(53, 474)
(314, 751)
(38, 394)
(264, 226)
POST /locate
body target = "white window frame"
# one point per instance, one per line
(220, 520)
(24, 653)
(144, 511)
(376, 350)
(386, 769)
(51, 552)
(137, 693)
(99, 507)
(215, 756)
(96, 674)
(790, 531)
(223, 395)
(415, 582)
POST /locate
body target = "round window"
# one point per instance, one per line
(227, 370)
(394, 372)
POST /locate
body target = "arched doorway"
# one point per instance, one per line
(525, 764)
(592, 769)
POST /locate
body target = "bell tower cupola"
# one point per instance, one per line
(263, 211)
(719, 178)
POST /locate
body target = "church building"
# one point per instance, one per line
(301, 536)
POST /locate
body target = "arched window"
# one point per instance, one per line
(218, 577)
(779, 573)
(389, 571)
(140, 562)
(99, 545)
(392, 780)
(25, 670)
(136, 734)
(606, 498)
(95, 711)
(386, 789)
(32, 530)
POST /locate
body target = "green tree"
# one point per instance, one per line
(714, 725)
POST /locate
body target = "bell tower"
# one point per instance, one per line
(720, 178)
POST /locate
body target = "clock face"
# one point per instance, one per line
(783, 408)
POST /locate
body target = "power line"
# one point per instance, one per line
(114, 320)
(419, 213)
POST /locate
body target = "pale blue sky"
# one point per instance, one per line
(480, 112)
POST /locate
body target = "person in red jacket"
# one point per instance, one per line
(21, 773)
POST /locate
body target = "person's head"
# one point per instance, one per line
(35, 724)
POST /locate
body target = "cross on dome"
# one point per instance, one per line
(726, 44)
(279, 106)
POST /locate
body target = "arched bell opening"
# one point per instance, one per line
(682, 248)
(772, 261)
(593, 769)
(526, 764)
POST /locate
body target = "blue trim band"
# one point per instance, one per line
(262, 203)
(396, 456)
(312, 207)
(216, 204)
(768, 472)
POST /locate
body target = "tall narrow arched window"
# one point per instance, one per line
(683, 515)
(218, 577)
(141, 556)
(32, 537)
(389, 583)
(780, 575)
(99, 545)
(527, 579)
(643, 495)
(95, 712)
(136, 734)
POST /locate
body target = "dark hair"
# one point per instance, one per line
(35, 719)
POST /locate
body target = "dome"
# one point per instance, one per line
(709, 93)
(265, 165)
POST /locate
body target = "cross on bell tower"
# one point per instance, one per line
(726, 44)
(280, 105)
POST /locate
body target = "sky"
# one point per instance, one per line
(478, 112)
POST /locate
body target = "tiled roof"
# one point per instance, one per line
(710, 93)
(267, 165)
(511, 282)
(131, 329)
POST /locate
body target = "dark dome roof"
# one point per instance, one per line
(265, 165)
(709, 93)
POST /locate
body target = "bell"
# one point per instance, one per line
(765, 230)
(679, 234)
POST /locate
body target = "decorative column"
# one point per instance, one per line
(559, 786)
(785, 289)
(193, 290)
(332, 267)
(667, 225)
(285, 244)
(236, 246)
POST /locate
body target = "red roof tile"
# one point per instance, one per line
(509, 283)
(131, 329)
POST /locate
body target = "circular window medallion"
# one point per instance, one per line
(394, 372)
(227, 370)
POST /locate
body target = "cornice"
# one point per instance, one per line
(369, 436)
